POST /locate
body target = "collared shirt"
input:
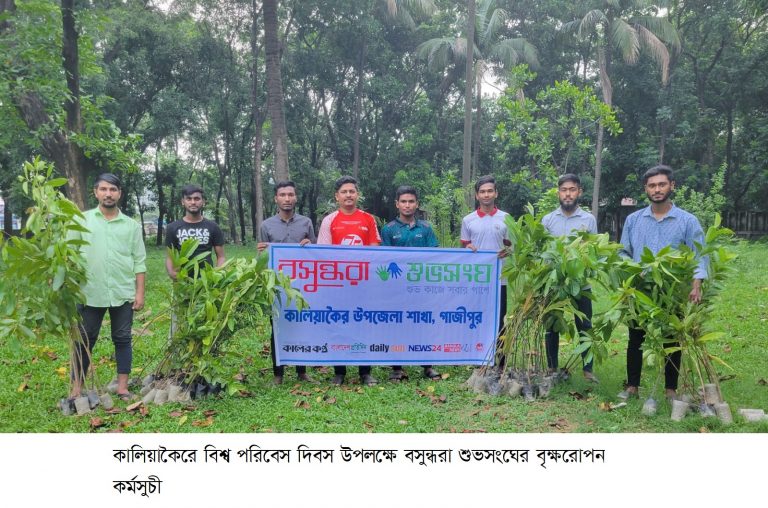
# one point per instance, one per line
(400, 234)
(294, 230)
(559, 224)
(486, 231)
(114, 255)
(678, 227)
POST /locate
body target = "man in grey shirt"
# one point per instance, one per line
(286, 226)
(563, 221)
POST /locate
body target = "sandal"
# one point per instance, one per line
(398, 375)
(432, 374)
(368, 380)
(125, 397)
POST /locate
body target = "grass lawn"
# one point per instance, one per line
(33, 378)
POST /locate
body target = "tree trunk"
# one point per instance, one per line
(479, 117)
(160, 197)
(257, 210)
(469, 74)
(141, 213)
(225, 179)
(65, 155)
(232, 212)
(74, 168)
(358, 112)
(275, 90)
(598, 170)
(328, 126)
(7, 214)
(234, 205)
(257, 114)
(605, 82)
(728, 145)
(217, 208)
(6, 6)
(240, 207)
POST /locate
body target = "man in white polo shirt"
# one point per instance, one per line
(486, 229)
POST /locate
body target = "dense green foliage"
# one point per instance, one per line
(42, 272)
(545, 277)
(183, 82)
(208, 304)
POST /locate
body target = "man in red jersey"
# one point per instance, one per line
(349, 226)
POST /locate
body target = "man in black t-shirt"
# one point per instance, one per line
(194, 225)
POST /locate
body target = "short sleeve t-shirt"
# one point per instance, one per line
(358, 228)
(486, 231)
(206, 232)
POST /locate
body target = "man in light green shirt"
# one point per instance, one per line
(115, 259)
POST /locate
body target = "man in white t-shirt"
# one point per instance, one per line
(486, 229)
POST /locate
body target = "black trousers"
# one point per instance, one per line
(122, 319)
(502, 313)
(552, 339)
(635, 361)
(341, 370)
(278, 370)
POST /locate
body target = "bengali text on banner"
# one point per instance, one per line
(387, 305)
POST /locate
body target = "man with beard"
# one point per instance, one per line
(349, 226)
(562, 222)
(286, 226)
(655, 227)
(408, 231)
(115, 259)
(193, 225)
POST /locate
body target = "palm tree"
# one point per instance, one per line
(490, 51)
(275, 103)
(625, 26)
(401, 11)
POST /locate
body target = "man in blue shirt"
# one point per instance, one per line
(562, 222)
(657, 226)
(408, 231)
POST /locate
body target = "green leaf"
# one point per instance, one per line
(58, 279)
(57, 182)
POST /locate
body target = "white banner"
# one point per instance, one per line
(387, 306)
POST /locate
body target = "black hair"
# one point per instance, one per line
(484, 180)
(109, 178)
(569, 177)
(192, 188)
(284, 183)
(344, 180)
(406, 189)
(661, 169)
